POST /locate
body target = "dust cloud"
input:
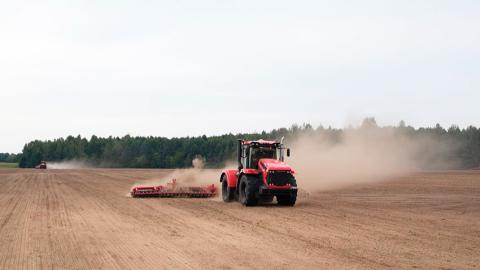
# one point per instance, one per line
(197, 175)
(326, 160)
(363, 155)
(66, 165)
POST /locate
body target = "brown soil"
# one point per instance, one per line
(83, 219)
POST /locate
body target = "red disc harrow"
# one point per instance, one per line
(172, 189)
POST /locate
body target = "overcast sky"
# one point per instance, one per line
(187, 68)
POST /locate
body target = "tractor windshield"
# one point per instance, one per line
(261, 152)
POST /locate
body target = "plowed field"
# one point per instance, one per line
(83, 219)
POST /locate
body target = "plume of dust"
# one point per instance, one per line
(196, 175)
(66, 165)
(363, 155)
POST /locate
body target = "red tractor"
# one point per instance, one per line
(42, 165)
(261, 175)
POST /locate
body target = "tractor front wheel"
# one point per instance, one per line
(267, 199)
(287, 200)
(248, 190)
(228, 193)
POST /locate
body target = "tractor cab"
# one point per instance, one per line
(250, 152)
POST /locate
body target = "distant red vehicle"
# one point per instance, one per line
(42, 165)
(261, 175)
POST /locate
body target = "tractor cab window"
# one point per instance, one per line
(261, 152)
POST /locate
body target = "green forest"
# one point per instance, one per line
(10, 158)
(161, 152)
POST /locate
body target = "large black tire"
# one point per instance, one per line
(248, 190)
(266, 199)
(288, 199)
(228, 194)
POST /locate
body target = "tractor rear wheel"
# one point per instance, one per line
(248, 190)
(228, 193)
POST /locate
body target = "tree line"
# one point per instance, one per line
(10, 158)
(139, 152)
(161, 152)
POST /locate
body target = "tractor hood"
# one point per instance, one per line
(273, 165)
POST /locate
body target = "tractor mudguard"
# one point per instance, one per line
(231, 177)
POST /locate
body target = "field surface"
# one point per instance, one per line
(83, 219)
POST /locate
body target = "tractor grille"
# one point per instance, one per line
(279, 178)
